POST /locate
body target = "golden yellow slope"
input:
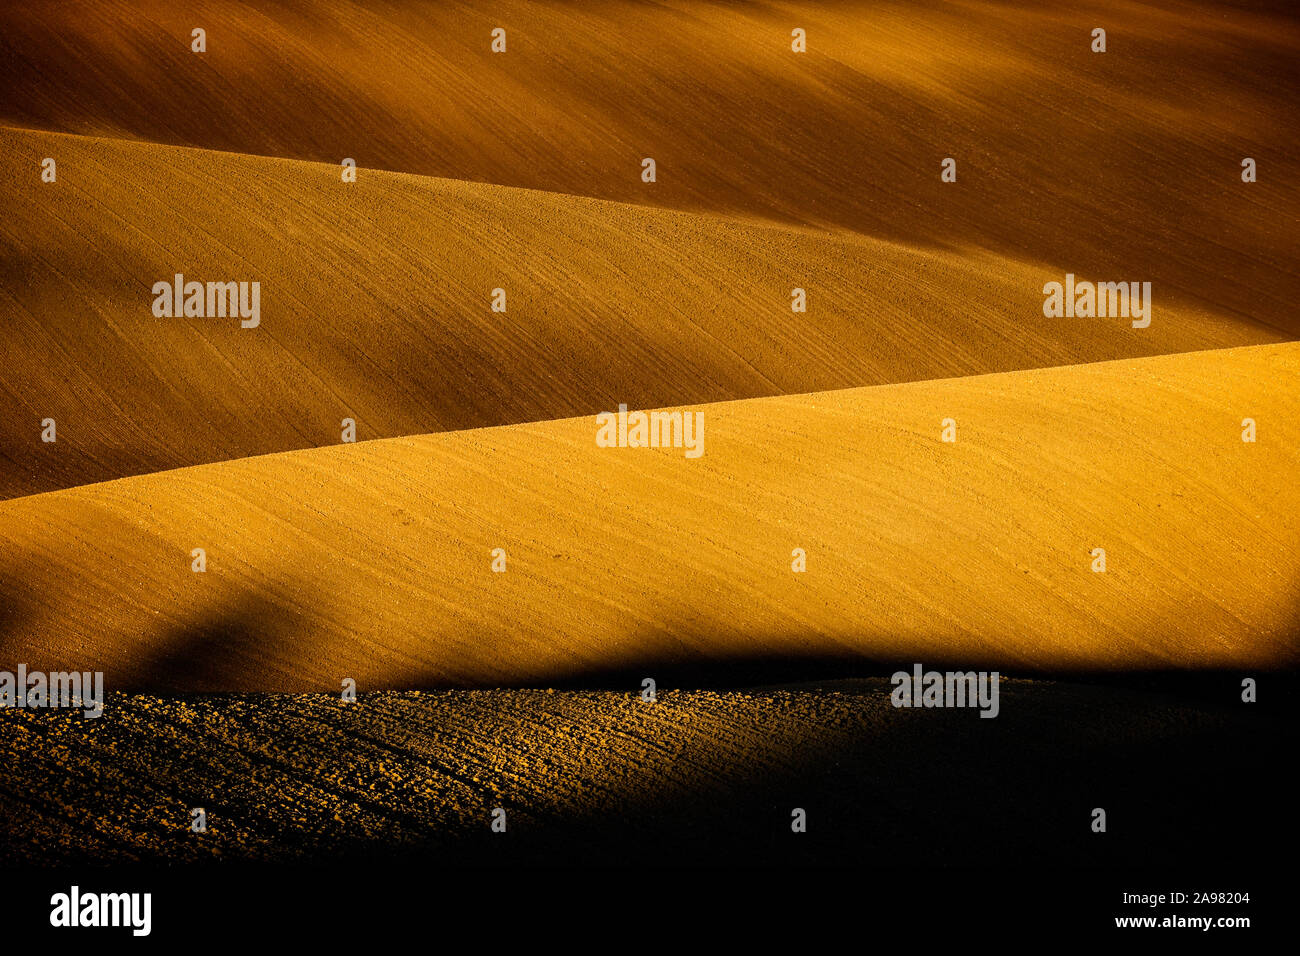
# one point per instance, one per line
(1124, 164)
(372, 561)
(376, 306)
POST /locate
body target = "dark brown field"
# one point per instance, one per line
(602, 776)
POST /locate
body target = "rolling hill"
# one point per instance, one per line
(374, 561)
(376, 305)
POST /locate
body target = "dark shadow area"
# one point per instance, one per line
(1277, 687)
(944, 788)
(216, 651)
(1181, 784)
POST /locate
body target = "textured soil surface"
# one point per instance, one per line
(696, 776)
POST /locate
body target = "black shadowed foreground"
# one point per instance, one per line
(710, 777)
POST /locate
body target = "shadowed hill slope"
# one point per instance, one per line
(376, 306)
(1120, 165)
